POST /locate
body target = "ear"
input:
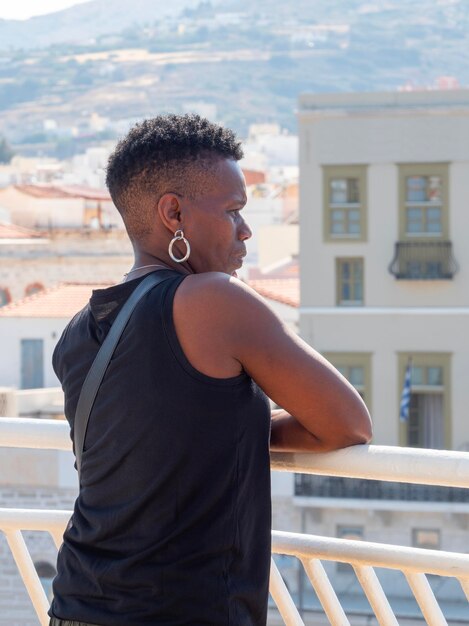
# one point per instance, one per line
(169, 211)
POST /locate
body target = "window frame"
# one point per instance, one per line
(416, 544)
(407, 170)
(331, 172)
(426, 360)
(6, 293)
(338, 279)
(26, 357)
(354, 359)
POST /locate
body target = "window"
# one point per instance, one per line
(424, 201)
(429, 423)
(349, 274)
(428, 538)
(345, 203)
(354, 533)
(356, 368)
(5, 297)
(33, 288)
(32, 363)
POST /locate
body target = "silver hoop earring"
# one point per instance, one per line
(179, 236)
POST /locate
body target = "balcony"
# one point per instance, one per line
(361, 463)
(423, 260)
(354, 488)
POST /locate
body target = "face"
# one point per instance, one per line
(214, 223)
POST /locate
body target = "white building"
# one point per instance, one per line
(55, 206)
(384, 186)
(30, 329)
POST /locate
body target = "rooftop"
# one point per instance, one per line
(429, 99)
(65, 299)
(11, 231)
(62, 301)
(64, 191)
(283, 290)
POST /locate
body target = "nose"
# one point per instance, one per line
(244, 231)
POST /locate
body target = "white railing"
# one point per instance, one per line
(386, 463)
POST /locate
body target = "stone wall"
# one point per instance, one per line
(67, 256)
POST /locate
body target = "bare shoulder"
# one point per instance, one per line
(218, 319)
(219, 295)
(216, 284)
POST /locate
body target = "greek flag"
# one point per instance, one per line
(406, 392)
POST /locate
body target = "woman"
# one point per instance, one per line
(172, 523)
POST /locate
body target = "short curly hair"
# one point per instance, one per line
(167, 153)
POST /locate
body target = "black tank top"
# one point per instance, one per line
(172, 523)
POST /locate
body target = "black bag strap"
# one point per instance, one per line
(100, 364)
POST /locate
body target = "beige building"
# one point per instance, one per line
(384, 187)
(384, 260)
(52, 206)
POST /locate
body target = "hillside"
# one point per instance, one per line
(83, 22)
(249, 59)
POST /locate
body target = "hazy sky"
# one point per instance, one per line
(22, 9)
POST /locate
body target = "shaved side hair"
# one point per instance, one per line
(165, 154)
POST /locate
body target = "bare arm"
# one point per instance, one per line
(322, 411)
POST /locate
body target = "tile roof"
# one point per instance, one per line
(64, 191)
(88, 193)
(11, 231)
(287, 267)
(62, 301)
(284, 290)
(66, 299)
(41, 191)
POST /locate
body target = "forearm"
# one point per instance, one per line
(289, 435)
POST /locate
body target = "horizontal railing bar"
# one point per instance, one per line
(24, 432)
(302, 546)
(374, 554)
(34, 519)
(362, 555)
(388, 463)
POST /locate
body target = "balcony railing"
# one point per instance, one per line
(423, 260)
(383, 463)
(355, 488)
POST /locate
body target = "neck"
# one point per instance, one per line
(144, 257)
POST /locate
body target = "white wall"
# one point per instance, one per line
(260, 212)
(277, 242)
(12, 330)
(350, 132)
